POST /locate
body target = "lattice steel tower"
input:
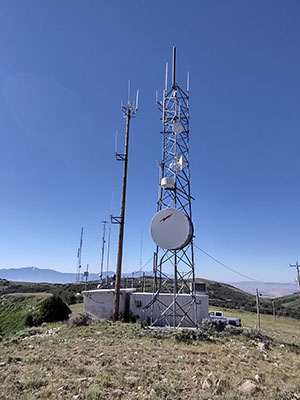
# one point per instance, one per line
(174, 268)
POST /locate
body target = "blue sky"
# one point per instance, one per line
(64, 68)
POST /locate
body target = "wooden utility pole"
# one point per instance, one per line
(257, 309)
(122, 220)
(298, 275)
(128, 111)
(273, 305)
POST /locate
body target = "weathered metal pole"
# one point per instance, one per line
(122, 221)
(258, 309)
(273, 305)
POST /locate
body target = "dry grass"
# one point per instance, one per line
(282, 329)
(107, 361)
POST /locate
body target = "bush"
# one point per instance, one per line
(80, 319)
(156, 333)
(212, 325)
(26, 333)
(191, 335)
(233, 330)
(52, 309)
(257, 335)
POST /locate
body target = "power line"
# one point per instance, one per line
(141, 269)
(226, 266)
(239, 273)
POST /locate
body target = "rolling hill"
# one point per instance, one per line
(220, 295)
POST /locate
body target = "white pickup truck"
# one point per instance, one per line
(218, 315)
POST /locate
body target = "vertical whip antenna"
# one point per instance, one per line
(112, 202)
(141, 250)
(137, 101)
(107, 259)
(102, 252)
(174, 68)
(116, 142)
(128, 93)
(166, 78)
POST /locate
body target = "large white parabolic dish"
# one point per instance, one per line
(171, 229)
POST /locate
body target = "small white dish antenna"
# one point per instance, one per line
(177, 127)
(171, 229)
(167, 183)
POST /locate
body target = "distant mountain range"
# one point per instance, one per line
(39, 275)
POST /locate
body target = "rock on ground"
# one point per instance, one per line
(248, 387)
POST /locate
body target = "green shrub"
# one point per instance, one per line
(92, 393)
(257, 335)
(52, 309)
(80, 319)
(233, 330)
(212, 326)
(191, 335)
(25, 333)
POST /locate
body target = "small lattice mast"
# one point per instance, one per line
(79, 252)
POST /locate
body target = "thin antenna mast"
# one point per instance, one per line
(102, 251)
(257, 309)
(79, 251)
(128, 112)
(107, 259)
(166, 78)
(174, 68)
(116, 142)
(141, 251)
(86, 275)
